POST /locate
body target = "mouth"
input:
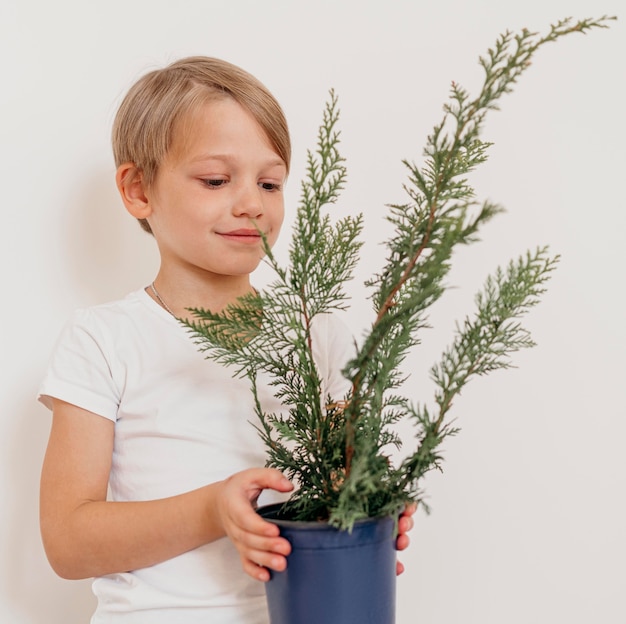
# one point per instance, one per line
(243, 235)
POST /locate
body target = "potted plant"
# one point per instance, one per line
(337, 448)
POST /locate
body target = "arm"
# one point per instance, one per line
(85, 535)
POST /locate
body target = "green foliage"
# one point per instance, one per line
(337, 448)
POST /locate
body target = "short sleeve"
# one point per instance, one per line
(338, 347)
(80, 370)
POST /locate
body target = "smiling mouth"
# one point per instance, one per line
(243, 235)
(243, 232)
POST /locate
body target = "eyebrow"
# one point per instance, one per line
(277, 162)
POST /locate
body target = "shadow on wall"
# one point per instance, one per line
(106, 251)
(31, 589)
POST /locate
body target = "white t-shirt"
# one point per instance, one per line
(181, 422)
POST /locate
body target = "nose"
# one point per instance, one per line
(248, 201)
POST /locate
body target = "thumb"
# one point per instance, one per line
(272, 479)
(260, 479)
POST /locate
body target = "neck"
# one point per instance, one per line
(177, 296)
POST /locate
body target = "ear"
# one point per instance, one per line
(130, 184)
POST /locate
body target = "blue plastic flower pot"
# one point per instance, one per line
(334, 576)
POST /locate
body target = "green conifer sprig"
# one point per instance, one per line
(337, 448)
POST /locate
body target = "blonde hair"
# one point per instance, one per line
(143, 130)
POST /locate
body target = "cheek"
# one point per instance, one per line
(272, 237)
(277, 218)
(280, 214)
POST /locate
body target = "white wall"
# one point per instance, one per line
(528, 519)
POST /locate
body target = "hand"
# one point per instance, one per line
(258, 541)
(405, 524)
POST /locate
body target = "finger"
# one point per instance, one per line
(242, 510)
(247, 543)
(405, 524)
(259, 565)
(268, 479)
(244, 520)
(264, 559)
(240, 517)
(256, 571)
(402, 542)
(409, 510)
(399, 568)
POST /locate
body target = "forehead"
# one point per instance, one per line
(216, 125)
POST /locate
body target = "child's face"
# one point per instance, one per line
(212, 189)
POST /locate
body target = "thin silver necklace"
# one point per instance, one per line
(160, 300)
(165, 306)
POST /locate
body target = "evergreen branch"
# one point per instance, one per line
(485, 343)
(273, 331)
(441, 198)
(336, 447)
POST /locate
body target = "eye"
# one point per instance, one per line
(214, 182)
(270, 186)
